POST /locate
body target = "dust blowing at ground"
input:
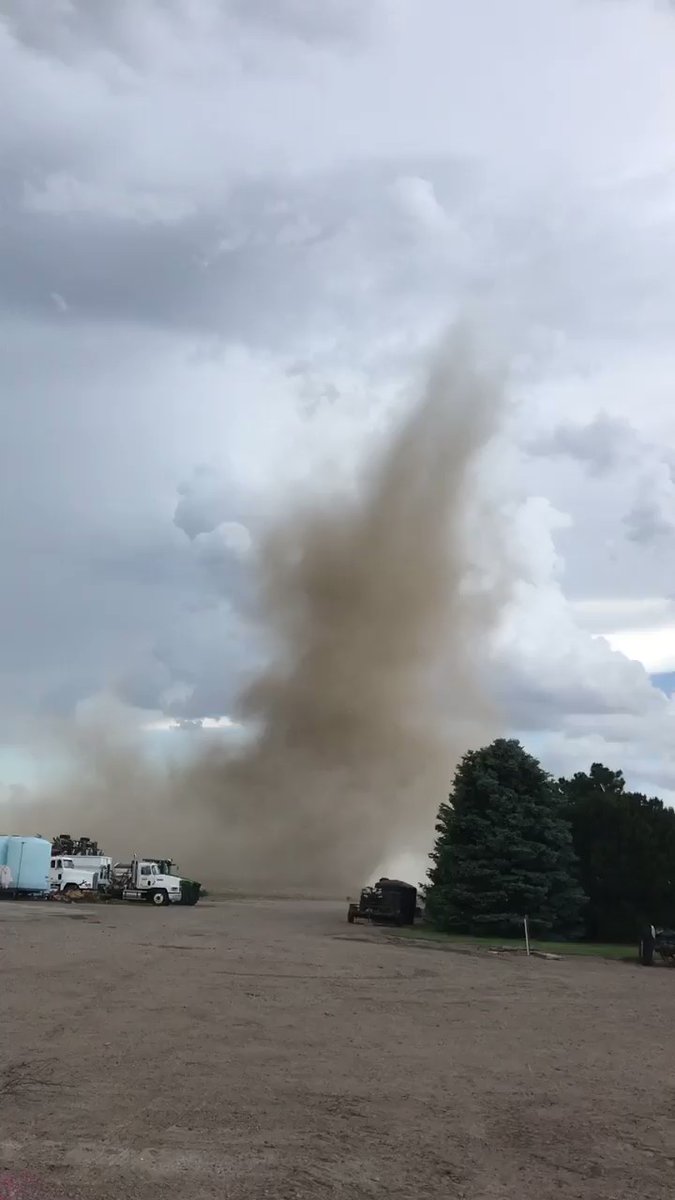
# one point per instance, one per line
(371, 695)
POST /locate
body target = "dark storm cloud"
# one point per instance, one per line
(197, 666)
(601, 444)
(172, 181)
(94, 570)
(646, 523)
(535, 705)
(67, 30)
(260, 269)
(332, 20)
(261, 261)
(205, 501)
(103, 270)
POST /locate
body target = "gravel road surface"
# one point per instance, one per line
(257, 1048)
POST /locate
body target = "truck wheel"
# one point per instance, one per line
(70, 887)
(159, 898)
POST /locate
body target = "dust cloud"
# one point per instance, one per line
(369, 698)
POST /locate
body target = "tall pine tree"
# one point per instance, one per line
(625, 844)
(503, 849)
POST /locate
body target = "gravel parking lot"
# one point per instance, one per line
(258, 1048)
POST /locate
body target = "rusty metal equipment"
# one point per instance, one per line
(387, 902)
(82, 846)
(657, 941)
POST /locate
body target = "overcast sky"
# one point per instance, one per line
(228, 227)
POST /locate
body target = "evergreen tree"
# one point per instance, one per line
(625, 844)
(503, 848)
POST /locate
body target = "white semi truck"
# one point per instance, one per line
(142, 879)
(101, 863)
(65, 875)
(77, 865)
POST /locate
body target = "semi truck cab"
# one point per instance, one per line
(145, 881)
(66, 876)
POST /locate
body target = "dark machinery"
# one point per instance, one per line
(83, 846)
(657, 941)
(388, 902)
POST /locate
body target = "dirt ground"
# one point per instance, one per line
(252, 1049)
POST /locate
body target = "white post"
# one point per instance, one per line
(18, 873)
(527, 936)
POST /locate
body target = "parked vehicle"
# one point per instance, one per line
(77, 863)
(24, 866)
(657, 941)
(190, 889)
(389, 901)
(66, 876)
(100, 863)
(142, 879)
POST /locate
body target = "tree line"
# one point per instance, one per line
(580, 857)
